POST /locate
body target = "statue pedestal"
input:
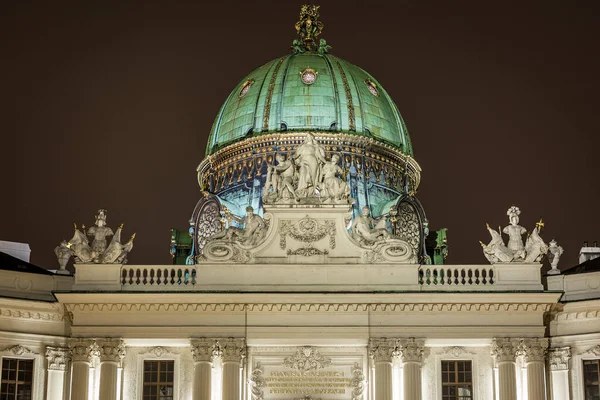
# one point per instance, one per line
(103, 277)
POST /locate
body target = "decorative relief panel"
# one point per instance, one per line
(307, 373)
(307, 230)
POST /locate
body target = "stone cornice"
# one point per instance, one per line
(32, 313)
(58, 358)
(308, 307)
(577, 315)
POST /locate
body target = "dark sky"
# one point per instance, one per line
(109, 105)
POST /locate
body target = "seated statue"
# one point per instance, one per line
(334, 188)
(251, 234)
(367, 229)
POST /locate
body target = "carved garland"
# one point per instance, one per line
(307, 230)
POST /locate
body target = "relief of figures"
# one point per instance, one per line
(306, 177)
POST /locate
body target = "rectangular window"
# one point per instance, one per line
(158, 380)
(457, 380)
(17, 379)
(591, 379)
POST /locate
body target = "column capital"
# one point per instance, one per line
(230, 349)
(504, 349)
(411, 350)
(559, 358)
(83, 349)
(383, 349)
(58, 358)
(533, 349)
(111, 349)
(205, 349)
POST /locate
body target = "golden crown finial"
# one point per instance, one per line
(309, 26)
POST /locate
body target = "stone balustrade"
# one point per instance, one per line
(440, 275)
(301, 277)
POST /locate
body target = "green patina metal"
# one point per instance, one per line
(339, 100)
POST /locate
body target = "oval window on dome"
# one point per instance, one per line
(245, 87)
(309, 76)
(372, 87)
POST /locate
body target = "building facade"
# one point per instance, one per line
(310, 272)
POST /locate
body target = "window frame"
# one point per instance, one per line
(456, 384)
(158, 383)
(584, 386)
(447, 353)
(20, 359)
(169, 355)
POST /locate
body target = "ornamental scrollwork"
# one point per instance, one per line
(257, 383)
(307, 230)
(559, 358)
(358, 382)
(18, 350)
(307, 359)
(307, 252)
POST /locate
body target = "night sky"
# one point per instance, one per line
(109, 105)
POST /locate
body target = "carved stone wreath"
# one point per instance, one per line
(307, 230)
(307, 359)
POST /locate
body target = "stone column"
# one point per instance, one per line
(383, 351)
(204, 351)
(559, 371)
(112, 352)
(58, 360)
(503, 351)
(83, 352)
(411, 354)
(231, 351)
(533, 351)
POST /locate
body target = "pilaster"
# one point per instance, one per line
(82, 352)
(411, 354)
(383, 352)
(559, 372)
(232, 351)
(533, 351)
(58, 361)
(204, 352)
(504, 352)
(112, 352)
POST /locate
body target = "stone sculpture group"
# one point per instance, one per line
(532, 251)
(306, 177)
(100, 251)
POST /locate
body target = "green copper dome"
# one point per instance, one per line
(309, 91)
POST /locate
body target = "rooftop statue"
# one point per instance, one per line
(532, 251)
(554, 253)
(99, 252)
